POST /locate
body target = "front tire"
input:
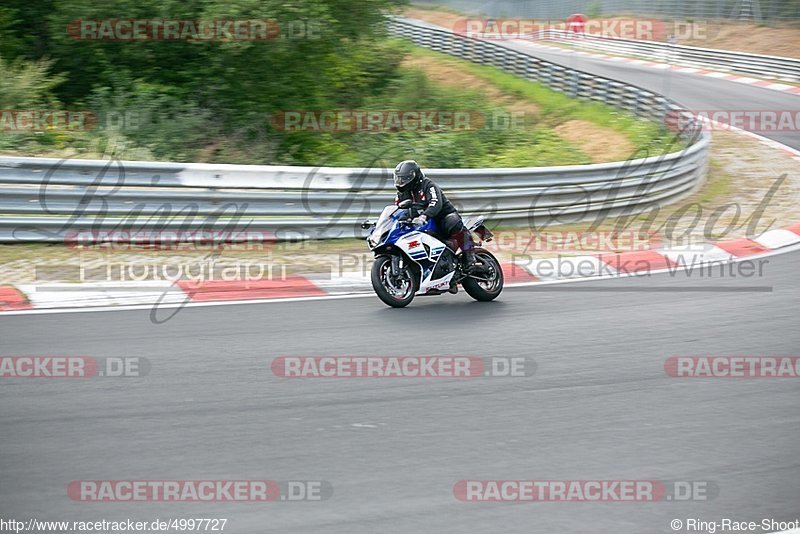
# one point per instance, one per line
(492, 286)
(396, 292)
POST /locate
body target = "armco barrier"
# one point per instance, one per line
(771, 67)
(48, 200)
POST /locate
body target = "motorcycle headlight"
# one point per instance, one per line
(375, 238)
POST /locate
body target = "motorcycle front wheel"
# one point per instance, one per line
(395, 290)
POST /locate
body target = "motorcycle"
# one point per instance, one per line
(412, 261)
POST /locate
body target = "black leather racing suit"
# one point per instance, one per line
(427, 198)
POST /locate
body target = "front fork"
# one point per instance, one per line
(396, 265)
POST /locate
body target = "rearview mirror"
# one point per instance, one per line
(366, 225)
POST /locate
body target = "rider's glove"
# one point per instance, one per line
(419, 220)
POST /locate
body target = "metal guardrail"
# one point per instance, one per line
(772, 67)
(49, 200)
(753, 11)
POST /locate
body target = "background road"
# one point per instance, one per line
(599, 407)
(698, 93)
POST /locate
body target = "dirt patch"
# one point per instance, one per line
(440, 18)
(600, 144)
(449, 73)
(750, 38)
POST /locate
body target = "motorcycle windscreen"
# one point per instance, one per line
(384, 224)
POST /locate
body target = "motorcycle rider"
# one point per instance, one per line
(431, 203)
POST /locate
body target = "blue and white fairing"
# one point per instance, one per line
(420, 247)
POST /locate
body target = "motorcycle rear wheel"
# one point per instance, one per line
(492, 286)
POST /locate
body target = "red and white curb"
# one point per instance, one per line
(677, 259)
(123, 295)
(699, 71)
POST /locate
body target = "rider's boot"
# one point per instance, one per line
(469, 261)
(468, 257)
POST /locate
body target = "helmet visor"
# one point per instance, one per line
(403, 179)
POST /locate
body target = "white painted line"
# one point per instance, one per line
(172, 306)
(347, 278)
(778, 238)
(347, 282)
(779, 86)
(69, 295)
(688, 255)
(713, 74)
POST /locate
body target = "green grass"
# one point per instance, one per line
(533, 143)
(717, 186)
(557, 107)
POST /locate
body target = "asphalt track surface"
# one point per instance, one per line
(600, 406)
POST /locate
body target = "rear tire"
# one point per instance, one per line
(396, 293)
(481, 290)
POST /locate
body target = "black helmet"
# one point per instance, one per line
(406, 175)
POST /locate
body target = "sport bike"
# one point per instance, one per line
(416, 260)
